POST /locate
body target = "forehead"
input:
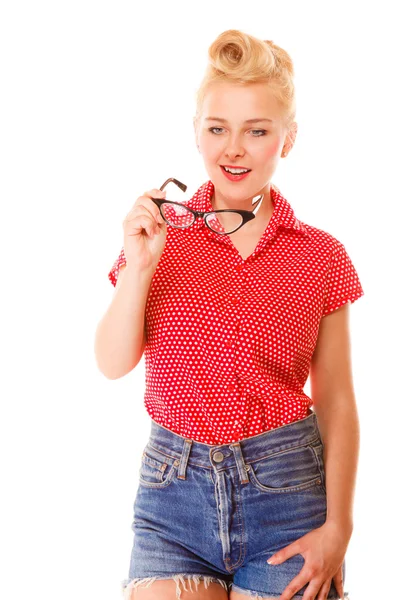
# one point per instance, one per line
(238, 102)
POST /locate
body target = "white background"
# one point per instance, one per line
(97, 100)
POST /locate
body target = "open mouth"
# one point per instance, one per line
(232, 176)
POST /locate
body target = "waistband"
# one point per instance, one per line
(186, 451)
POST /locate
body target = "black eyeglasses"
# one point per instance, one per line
(224, 222)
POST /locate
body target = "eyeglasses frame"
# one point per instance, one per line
(247, 215)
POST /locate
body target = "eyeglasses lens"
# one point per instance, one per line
(224, 222)
(177, 216)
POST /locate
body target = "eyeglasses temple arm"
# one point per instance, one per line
(180, 185)
(258, 205)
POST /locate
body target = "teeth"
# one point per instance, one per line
(236, 171)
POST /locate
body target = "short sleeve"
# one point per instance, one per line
(113, 273)
(343, 284)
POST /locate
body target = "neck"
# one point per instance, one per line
(263, 214)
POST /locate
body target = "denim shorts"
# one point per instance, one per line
(217, 513)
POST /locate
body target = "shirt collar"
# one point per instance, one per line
(282, 216)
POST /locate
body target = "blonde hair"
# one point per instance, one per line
(237, 57)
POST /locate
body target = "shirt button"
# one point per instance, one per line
(231, 387)
(235, 300)
(239, 267)
(228, 343)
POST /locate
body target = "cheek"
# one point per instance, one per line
(271, 151)
(209, 148)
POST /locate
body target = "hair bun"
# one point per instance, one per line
(238, 57)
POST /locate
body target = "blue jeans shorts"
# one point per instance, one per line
(217, 513)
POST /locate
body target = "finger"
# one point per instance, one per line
(142, 222)
(296, 584)
(151, 210)
(161, 194)
(154, 192)
(338, 582)
(312, 590)
(145, 200)
(285, 553)
(324, 591)
(144, 206)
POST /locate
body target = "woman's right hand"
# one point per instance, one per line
(145, 232)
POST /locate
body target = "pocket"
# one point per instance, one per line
(319, 455)
(157, 469)
(291, 470)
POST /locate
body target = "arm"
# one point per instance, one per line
(336, 410)
(120, 335)
(332, 391)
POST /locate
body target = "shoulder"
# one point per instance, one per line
(322, 240)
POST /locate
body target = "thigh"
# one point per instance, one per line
(237, 596)
(284, 500)
(184, 589)
(174, 528)
(264, 581)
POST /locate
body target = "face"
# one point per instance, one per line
(256, 146)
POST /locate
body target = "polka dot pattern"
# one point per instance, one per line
(230, 341)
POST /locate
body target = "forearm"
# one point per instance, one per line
(340, 432)
(119, 340)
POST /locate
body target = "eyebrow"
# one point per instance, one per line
(247, 120)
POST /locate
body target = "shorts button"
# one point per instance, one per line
(218, 457)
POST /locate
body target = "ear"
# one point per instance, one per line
(291, 136)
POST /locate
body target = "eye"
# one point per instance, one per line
(262, 132)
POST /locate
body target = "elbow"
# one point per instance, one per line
(114, 371)
(113, 363)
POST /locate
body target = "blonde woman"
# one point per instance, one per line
(246, 483)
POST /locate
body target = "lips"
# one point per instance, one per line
(235, 167)
(234, 177)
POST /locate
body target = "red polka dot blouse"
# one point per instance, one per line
(230, 341)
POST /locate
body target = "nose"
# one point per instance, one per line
(234, 147)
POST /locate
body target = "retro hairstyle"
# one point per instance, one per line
(238, 57)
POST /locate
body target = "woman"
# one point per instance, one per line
(233, 310)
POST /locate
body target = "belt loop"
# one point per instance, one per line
(184, 459)
(237, 452)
